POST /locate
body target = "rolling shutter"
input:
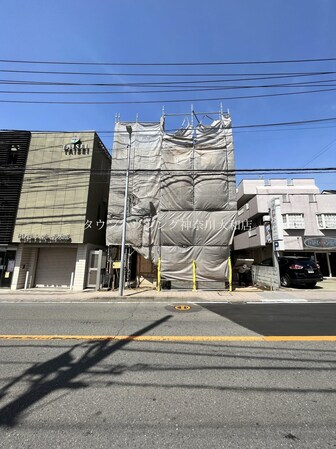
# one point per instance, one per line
(54, 267)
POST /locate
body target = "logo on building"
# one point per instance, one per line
(76, 147)
(46, 238)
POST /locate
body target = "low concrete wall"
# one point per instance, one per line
(266, 277)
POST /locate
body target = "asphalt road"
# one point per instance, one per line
(179, 393)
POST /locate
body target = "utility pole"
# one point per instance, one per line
(122, 262)
(277, 233)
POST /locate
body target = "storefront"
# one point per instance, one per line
(55, 267)
(327, 262)
(324, 251)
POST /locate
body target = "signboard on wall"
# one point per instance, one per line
(46, 238)
(11, 265)
(277, 224)
(319, 243)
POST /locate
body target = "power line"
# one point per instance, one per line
(286, 129)
(107, 133)
(7, 169)
(250, 125)
(186, 100)
(321, 151)
(171, 90)
(280, 61)
(270, 74)
(180, 83)
(298, 122)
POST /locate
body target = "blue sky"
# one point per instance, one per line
(148, 31)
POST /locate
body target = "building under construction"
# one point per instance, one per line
(181, 206)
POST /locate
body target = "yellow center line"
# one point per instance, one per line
(173, 338)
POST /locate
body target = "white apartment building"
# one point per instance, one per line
(308, 220)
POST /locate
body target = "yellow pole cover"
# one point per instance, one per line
(194, 276)
(159, 275)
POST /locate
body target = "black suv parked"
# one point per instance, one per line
(297, 271)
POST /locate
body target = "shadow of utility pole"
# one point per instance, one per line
(65, 371)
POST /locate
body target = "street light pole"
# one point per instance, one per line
(122, 261)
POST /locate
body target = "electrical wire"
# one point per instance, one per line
(321, 151)
(270, 74)
(8, 169)
(180, 83)
(189, 89)
(249, 125)
(216, 63)
(184, 100)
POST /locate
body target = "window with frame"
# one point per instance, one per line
(13, 155)
(293, 221)
(326, 221)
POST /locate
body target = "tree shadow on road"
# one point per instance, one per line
(61, 373)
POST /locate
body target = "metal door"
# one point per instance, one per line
(94, 271)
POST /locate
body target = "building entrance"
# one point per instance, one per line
(327, 262)
(7, 263)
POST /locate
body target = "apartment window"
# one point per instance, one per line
(13, 155)
(285, 198)
(326, 221)
(312, 198)
(293, 221)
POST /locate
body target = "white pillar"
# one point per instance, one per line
(26, 280)
(100, 256)
(329, 265)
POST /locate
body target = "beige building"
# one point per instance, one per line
(60, 223)
(308, 220)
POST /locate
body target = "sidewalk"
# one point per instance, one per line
(239, 295)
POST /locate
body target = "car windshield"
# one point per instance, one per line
(304, 261)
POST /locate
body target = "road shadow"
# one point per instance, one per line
(61, 373)
(280, 319)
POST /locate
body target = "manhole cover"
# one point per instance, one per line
(182, 307)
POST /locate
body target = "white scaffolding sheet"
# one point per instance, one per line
(182, 197)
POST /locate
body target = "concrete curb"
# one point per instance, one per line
(39, 296)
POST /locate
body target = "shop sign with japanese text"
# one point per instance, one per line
(328, 243)
(46, 238)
